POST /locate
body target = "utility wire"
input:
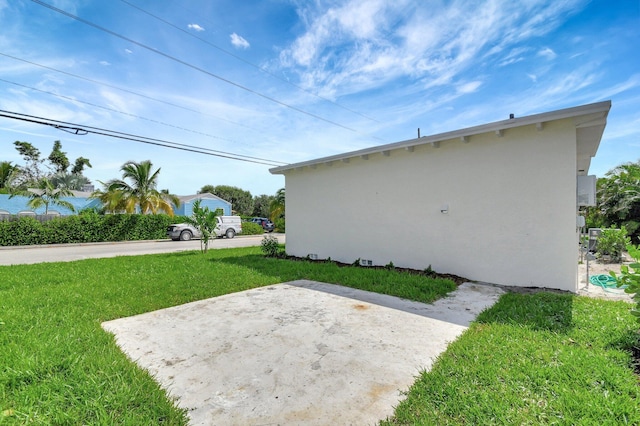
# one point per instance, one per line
(187, 64)
(162, 123)
(128, 91)
(241, 59)
(79, 129)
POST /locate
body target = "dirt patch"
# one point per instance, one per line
(458, 280)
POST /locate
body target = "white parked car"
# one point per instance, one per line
(227, 226)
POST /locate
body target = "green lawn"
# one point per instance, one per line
(536, 359)
(57, 366)
(531, 359)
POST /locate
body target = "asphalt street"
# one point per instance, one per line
(71, 252)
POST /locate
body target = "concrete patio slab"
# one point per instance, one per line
(301, 352)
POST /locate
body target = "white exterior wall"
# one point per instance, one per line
(511, 200)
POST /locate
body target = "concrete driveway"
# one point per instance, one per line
(301, 352)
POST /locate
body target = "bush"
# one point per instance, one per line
(84, 228)
(251, 228)
(280, 224)
(270, 246)
(612, 242)
(629, 279)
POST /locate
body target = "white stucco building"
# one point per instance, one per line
(494, 203)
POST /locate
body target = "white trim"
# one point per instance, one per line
(601, 109)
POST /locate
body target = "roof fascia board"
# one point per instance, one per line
(461, 134)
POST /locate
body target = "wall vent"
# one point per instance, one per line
(366, 262)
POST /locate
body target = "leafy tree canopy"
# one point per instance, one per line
(55, 168)
(618, 199)
(241, 200)
(261, 205)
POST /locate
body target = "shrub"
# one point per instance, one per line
(87, 227)
(612, 242)
(279, 224)
(251, 228)
(630, 278)
(270, 246)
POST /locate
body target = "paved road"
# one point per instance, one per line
(70, 252)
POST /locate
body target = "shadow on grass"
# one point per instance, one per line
(538, 311)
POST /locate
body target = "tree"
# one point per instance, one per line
(46, 194)
(136, 190)
(58, 165)
(7, 174)
(31, 173)
(79, 165)
(71, 181)
(205, 221)
(58, 159)
(241, 200)
(277, 207)
(210, 189)
(619, 199)
(261, 205)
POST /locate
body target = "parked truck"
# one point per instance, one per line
(227, 226)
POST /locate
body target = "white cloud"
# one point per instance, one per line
(128, 51)
(105, 63)
(195, 27)
(533, 77)
(364, 44)
(547, 53)
(469, 87)
(239, 41)
(515, 55)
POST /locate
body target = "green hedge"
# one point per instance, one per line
(84, 228)
(251, 228)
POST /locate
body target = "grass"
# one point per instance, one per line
(533, 359)
(57, 365)
(541, 358)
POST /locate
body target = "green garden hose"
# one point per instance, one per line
(605, 281)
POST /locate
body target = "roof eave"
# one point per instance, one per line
(594, 108)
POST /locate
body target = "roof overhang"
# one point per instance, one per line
(590, 121)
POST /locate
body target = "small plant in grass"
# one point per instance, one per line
(205, 221)
(390, 266)
(270, 246)
(629, 278)
(429, 271)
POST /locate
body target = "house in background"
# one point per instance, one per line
(494, 203)
(207, 200)
(81, 200)
(19, 204)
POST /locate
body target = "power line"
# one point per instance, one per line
(187, 64)
(128, 91)
(79, 129)
(241, 59)
(115, 110)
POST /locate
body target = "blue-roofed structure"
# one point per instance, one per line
(211, 201)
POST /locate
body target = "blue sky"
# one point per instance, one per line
(293, 80)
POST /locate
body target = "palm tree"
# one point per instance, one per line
(7, 173)
(73, 181)
(46, 194)
(277, 206)
(136, 191)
